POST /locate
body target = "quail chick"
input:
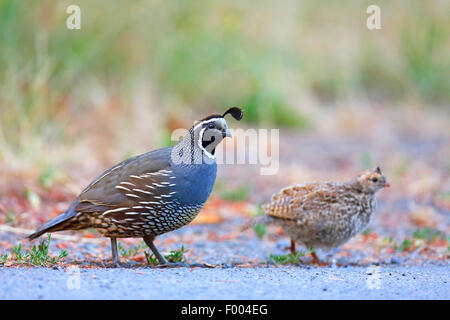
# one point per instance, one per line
(152, 193)
(324, 214)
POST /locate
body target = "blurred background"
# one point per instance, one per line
(75, 102)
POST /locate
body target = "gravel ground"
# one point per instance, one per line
(369, 266)
(227, 283)
(223, 245)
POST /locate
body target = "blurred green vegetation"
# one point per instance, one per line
(238, 194)
(268, 57)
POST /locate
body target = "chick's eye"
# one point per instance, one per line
(374, 179)
(211, 125)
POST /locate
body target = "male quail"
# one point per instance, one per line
(152, 193)
(323, 214)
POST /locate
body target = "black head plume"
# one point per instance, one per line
(235, 113)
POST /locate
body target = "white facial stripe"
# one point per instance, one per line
(208, 121)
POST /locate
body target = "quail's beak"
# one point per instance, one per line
(226, 133)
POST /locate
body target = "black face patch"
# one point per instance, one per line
(211, 137)
(205, 144)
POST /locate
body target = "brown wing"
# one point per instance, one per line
(286, 204)
(108, 193)
(141, 184)
(296, 200)
(324, 196)
(145, 205)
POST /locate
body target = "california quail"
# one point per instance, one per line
(323, 214)
(152, 193)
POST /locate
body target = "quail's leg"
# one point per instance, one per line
(162, 262)
(149, 242)
(292, 248)
(115, 256)
(294, 251)
(315, 258)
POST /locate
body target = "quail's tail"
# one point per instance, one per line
(56, 224)
(264, 219)
(48, 227)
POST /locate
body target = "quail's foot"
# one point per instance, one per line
(317, 261)
(116, 264)
(173, 265)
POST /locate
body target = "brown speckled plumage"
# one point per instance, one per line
(324, 214)
(147, 207)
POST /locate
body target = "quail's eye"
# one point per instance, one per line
(374, 179)
(211, 125)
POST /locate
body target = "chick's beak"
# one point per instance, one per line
(226, 133)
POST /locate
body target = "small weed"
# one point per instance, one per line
(287, 258)
(434, 235)
(406, 245)
(132, 251)
(37, 256)
(419, 238)
(174, 256)
(3, 258)
(427, 234)
(258, 212)
(421, 233)
(260, 230)
(388, 241)
(367, 232)
(17, 253)
(151, 259)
